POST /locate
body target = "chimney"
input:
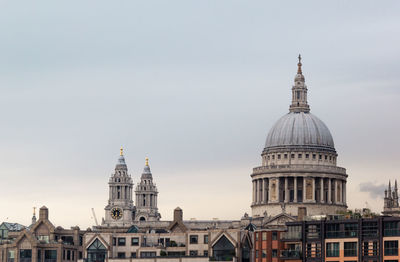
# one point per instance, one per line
(178, 214)
(301, 213)
(44, 213)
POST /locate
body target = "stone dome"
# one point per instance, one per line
(300, 130)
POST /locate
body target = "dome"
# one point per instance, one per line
(299, 130)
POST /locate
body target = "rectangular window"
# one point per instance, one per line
(205, 253)
(256, 236)
(326, 157)
(391, 248)
(121, 254)
(292, 156)
(314, 156)
(193, 253)
(133, 255)
(299, 156)
(332, 249)
(264, 236)
(80, 255)
(279, 156)
(274, 235)
(134, 241)
(285, 156)
(274, 252)
(350, 230)
(68, 254)
(320, 157)
(205, 239)
(121, 241)
(390, 228)
(264, 254)
(273, 157)
(147, 254)
(50, 254)
(350, 249)
(193, 239)
(307, 156)
(114, 241)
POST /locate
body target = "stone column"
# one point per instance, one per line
(287, 195)
(265, 191)
(256, 192)
(313, 190)
(329, 191)
(334, 200)
(260, 200)
(322, 189)
(295, 189)
(278, 189)
(344, 192)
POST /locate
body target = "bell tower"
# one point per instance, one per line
(146, 197)
(120, 210)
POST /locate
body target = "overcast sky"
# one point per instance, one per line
(193, 85)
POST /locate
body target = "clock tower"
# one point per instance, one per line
(120, 210)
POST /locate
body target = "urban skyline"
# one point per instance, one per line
(199, 109)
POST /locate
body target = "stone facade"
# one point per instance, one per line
(42, 242)
(299, 164)
(120, 210)
(146, 197)
(391, 201)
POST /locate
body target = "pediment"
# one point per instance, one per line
(279, 220)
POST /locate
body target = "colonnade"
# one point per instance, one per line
(299, 189)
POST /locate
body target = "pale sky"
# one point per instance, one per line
(193, 85)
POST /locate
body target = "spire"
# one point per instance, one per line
(299, 66)
(299, 92)
(146, 170)
(34, 216)
(121, 165)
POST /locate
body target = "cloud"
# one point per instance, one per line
(373, 189)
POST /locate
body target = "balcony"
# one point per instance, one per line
(286, 236)
(391, 232)
(290, 254)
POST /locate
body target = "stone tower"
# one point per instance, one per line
(391, 201)
(146, 197)
(120, 210)
(299, 164)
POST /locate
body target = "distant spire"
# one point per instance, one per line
(34, 216)
(121, 151)
(299, 64)
(299, 92)
(147, 161)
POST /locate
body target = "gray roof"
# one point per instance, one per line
(299, 130)
(13, 226)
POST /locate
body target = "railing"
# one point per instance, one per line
(294, 167)
(291, 235)
(391, 232)
(341, 234)
(295, 254)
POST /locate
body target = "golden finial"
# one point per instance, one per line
(147, 161)
(121, 151)
(34, 210)
(299, 66)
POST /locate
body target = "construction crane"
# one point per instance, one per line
(94, 216)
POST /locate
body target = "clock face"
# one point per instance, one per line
(116, 213)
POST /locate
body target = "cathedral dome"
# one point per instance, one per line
(299, 130)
